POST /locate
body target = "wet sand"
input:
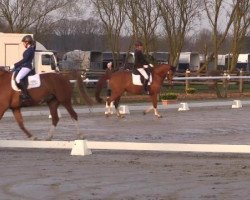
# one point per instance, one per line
(31, 174)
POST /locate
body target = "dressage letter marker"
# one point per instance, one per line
(237, 104)
(184, 107)
(78, 147)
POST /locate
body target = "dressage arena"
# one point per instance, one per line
(34, 174)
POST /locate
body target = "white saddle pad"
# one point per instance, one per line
(33, 82)
(136, 79)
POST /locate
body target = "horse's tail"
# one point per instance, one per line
(83, 91)
(100, 84)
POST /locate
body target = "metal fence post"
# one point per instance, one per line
(187, 81)
(241, 82)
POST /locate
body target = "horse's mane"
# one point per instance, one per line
(3, 70)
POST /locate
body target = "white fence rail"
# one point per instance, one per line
(228, 77)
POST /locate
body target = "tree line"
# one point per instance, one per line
(114, 25)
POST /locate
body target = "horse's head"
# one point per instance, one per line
(165, 70)
(170, 74)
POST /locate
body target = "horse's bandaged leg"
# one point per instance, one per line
(157, 113)
(148, 110)
(51, 132)
(78, 133)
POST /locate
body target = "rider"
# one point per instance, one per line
(24, 66)
(142, 65)
(108, 73)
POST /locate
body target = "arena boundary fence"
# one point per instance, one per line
(84, 147)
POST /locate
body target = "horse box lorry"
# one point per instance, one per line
(11, 51)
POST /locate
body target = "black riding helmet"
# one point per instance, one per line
(138, 43)
(28, 38)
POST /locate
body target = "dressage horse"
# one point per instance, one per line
(121, 81)
(55, 89)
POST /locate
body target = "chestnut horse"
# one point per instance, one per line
(55, 89)
(121, 81)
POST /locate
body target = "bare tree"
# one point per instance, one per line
(112, 16)
(178, 17)
(78, 34)
(241, 24)
(143, 16)
(214, 11)
(25, 15)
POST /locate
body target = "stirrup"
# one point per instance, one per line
(146, 92)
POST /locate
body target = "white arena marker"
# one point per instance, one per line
(124, 109)
(237, 104)
(80, 148)
(183, 107)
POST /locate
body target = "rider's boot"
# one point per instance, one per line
(145, 85)
(24, 96)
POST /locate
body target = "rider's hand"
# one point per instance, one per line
(12, 67)
(151, 65)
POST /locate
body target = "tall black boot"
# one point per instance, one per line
(26, 99)
(145, 85)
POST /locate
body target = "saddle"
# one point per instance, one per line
(138, 79)
(31, 80)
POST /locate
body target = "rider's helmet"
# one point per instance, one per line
(138, 44)
(28, 39)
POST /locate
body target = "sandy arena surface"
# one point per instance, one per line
(32, 174)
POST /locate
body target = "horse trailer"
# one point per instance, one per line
(160, 57)
(189, 60)
(11, 51)
(82, 60)
(243, 62)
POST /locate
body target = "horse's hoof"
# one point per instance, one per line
(48, 139)
(80, 137)
(159, 116)
(121, 116)
(33, 138)
(144, 113)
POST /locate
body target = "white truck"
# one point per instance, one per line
(11, 51)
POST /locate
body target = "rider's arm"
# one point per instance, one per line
(28, 56)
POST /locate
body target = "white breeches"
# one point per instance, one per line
(143, 73)
(22, 73)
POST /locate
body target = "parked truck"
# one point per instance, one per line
(11, 51)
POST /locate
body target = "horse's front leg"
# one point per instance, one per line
(116, 103)
(154, 107)
(108, 111)
(19, 119)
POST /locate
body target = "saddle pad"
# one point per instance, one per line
(136, 79)
(33, 82)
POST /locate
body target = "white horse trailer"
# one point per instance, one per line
(243, 62)
(189, 60)
(11, 51)
(78, 59)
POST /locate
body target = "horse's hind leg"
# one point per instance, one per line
(19, 119)
(53, 105)
(74, 117)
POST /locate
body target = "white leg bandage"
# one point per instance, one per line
(22, 73)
